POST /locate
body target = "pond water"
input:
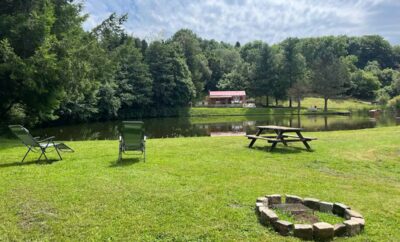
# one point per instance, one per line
(216, 126)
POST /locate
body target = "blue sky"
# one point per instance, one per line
(247, 20)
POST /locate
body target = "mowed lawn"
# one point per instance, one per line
(196, 188)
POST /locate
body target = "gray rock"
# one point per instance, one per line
(339, 230)
(303, 231)
(353, 227)
(339, 208)
(361, 221)
(283, 227)
(262, 199)
(348, 214)
(325, 207)
(267, 216)
(274, 199)
(259, 206)
(311, 203)
(323, 231)
(293, 199)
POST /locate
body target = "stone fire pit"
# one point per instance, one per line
(305, 207)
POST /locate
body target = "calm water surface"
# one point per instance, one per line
(216, 126)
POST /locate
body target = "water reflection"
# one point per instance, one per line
(216, 126)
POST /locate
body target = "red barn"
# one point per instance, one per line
(226, 98)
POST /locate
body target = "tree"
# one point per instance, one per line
(172, 84)
(265, 73)
(189, 46)
(371, 48)
(330, 76)
(29, 43)
(133, 80)
(365, 84)
(293, 69)
(238, 79)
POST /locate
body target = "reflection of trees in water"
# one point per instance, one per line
(175, 127)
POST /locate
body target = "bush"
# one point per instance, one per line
(394, 104)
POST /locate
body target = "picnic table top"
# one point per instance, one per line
(282, 128)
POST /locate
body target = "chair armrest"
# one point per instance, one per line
(46, 139)
(37, 137)
(144, 138)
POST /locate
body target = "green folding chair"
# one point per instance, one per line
(34, 144)
(132, 138)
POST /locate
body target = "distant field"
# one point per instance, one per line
(195, 189)
(334, 106)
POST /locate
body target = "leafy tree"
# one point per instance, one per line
(330, 76)
(265, 73)
(238, 79)
(294, 68)
(172, 84)
(365, 84)
(371, 48)
(197, 63)
(133, 79)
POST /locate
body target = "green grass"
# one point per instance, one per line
(196, 188)
(323, 217)
(334, 106)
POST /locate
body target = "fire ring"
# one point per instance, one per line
(354, 222)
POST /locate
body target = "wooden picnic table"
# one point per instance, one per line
(280, 137)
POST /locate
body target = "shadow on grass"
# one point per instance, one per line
(283, 149)
(126, 162)
(28, 163)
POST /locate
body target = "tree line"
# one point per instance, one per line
(52, 69)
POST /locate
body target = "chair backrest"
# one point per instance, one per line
(24, 135)
(132, 133)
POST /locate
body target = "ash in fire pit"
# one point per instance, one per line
(298, 210)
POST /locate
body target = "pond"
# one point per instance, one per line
(216, 126)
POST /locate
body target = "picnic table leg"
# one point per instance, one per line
(280, 136)
(304, 141)
(273, 146)
(254, 140)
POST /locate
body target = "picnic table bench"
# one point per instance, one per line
(280, 137)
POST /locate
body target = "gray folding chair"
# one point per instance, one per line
(132, 138)
(35, 145)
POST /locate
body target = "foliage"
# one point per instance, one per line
(394, 104)
(51, 68)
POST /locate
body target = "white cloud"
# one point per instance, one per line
(246, 20)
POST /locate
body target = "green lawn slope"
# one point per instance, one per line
(196, 188)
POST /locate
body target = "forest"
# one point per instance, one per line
(51, 68)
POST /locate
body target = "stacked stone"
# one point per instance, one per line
(353, 225)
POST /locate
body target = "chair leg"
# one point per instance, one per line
(44, 154)
(120, 154)
(144, 154)
(29, 150)
(55, 147)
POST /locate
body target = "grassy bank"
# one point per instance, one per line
(196, 188)
(334, 107)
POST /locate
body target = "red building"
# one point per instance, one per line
(226, 98)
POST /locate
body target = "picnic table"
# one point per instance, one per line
(280, 137)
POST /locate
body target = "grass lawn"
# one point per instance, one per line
(196, 188)
(334, 106)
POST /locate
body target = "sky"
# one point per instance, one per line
(246, 20)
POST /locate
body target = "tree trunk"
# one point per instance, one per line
(267, 101)
(276, 102)
(290, 102)
(326, 122)
(325, 104)
(298, 106)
